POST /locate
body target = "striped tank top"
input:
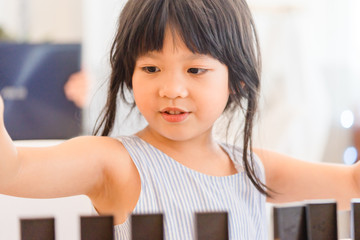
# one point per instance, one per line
(179, 192)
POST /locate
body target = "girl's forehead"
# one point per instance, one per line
(173, 41)
(172, 44)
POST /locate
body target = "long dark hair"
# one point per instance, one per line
(223, 29)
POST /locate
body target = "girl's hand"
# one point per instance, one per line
(1, 111)
(77, 88)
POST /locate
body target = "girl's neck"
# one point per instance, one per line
(204, 142)
(201, 153)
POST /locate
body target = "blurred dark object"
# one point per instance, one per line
(32, 79)
(97, 227)
(39, 229)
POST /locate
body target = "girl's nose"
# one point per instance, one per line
(173, 87)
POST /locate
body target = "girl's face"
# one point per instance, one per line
(180, 93)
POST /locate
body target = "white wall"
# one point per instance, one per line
(293, 90)
(42, 20)
(310, 75)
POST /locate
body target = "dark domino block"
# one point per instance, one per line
(355, 219)
(97, 227)
(290, 222)
(212, 226)
(147, 227)
(37, 229)
(322, 220)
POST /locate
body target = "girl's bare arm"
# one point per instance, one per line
(296, 180)
(77, 166)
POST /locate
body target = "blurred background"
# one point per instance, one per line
(311, 74)
(310, 103)
(311, 77)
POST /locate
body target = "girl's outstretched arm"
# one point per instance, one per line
(7, 150)
(77, 166)
(296, 180)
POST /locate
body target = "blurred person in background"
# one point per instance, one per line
(77, 89)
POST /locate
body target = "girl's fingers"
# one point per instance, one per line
(1, 106)
(1, 111)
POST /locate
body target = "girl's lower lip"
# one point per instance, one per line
(174, 117)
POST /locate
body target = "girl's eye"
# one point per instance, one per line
(196, 70)
(151, 69)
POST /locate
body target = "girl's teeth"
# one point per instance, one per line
(174, 112)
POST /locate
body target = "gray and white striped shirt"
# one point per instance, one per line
(179, 192)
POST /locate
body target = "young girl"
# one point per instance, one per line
(186, 62)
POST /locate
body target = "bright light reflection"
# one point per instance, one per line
(347, 119)
(350, 155)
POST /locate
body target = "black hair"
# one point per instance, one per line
(223, 29)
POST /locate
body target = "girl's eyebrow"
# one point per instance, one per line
(149, 55)
(193, 56)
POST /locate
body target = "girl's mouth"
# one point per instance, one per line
(174, 115)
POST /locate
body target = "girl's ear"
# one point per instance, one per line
(242, 84)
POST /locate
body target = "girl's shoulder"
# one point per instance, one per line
(102, 144)
(109, 151)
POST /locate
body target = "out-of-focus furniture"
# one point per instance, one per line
(32, 79)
